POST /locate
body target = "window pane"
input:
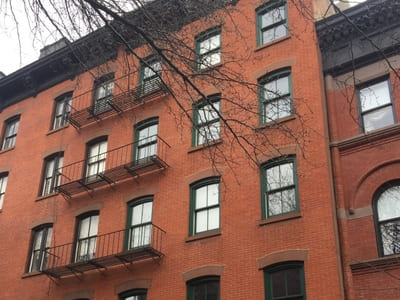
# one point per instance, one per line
(286, 174)
(293, 282)
(378, 118)
(213, 218)
(271, 111)
(390, 234)
(274, 204)
(389, 204)
(201, 197)
(213, 194)
(93, 225)
(147, 212)
(201, 221)
(137, 213)
(278, 281)
(288, 200)
(274, 33)
(375, 95)
(273, 16)
(273, 178)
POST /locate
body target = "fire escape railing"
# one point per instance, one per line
(131, 160)
(84, 112)
(114, 248)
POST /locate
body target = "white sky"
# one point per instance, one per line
(13, 56)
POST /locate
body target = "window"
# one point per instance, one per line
(10, 133)
(3, 185)
(285, 281)
(61, 111)
(275, 96)
(96, 159)
(86, 236)
(279, 190)
(133, 295)
(103, 93)
(376, 106)
(146, 140)
(139, 222)
(271, 21)
(387, 218)
(204, 288)
(51, 175)
(208, 48)
(204, 206)
(150, 71)
(40, 245)
(207, 125)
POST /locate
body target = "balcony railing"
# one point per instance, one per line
(84, 112)
(114, 248)
(130, 160)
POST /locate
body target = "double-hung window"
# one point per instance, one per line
(85, 243)
(375, 102)
(96, 159)
(279, 187)
(145, 140)
(150, 71)
(139, 222)
(204, 206)
(285, 281)
(139, 294)
(40, 245)
(10, 133)
(3, 185)
(387, 218)
(103, 93)
(271, 21)
(207, 123)
(61, 111)
(208, 48)
(275, 96)
(204, 288)
(51, 175)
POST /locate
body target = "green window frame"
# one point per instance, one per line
(285, 281)
(375, 102)
(10, 132)
(205, 206)
(204, 288)
(207, 126)
(62, 109)
(145, 145)
(275, 96)
(40, 244)
(139, 223)
(136, 294)
(150, 74)
(272, 21)
(279, 187)
(103, 94)
(95, 164)
(386, 207)
(208, 48)
(86, 236)
(3, 185)
(51, 175)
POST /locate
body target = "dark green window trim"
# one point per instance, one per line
(273, 104)
(144, 147)
(50, 174)
(149, 83)
(40, 243)
(280, 27)
(285, 281)
(98, 160)
(201, 62)
(62, 109)
(206, 130)
(204, 211)
(141, 231)
(388, 106)
(206, 288)
(103, 93)
(85, 246)
(138, 294)
(280, 188)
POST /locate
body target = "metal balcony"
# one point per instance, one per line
(115, 248)
(120, 164)
(83, 112)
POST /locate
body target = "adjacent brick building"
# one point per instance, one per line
(122, 179)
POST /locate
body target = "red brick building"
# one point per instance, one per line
(360, 57)
(122, 179)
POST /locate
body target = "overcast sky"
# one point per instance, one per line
(14, 56)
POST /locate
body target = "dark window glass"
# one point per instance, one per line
(205, 288)
(41, 238)
(10, 133)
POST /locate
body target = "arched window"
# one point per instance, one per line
(139, 222)
(86, 236)
(133, 295)
(387, 218)
(206, 288)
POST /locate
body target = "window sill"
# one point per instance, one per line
(6, 150)
(208, 69)
(31, 274)
(39, 198)
(57, 129)
(286, 217)
(376, 264)
(203, 236)
(206, 145)
(275, 123)
(269, 44)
